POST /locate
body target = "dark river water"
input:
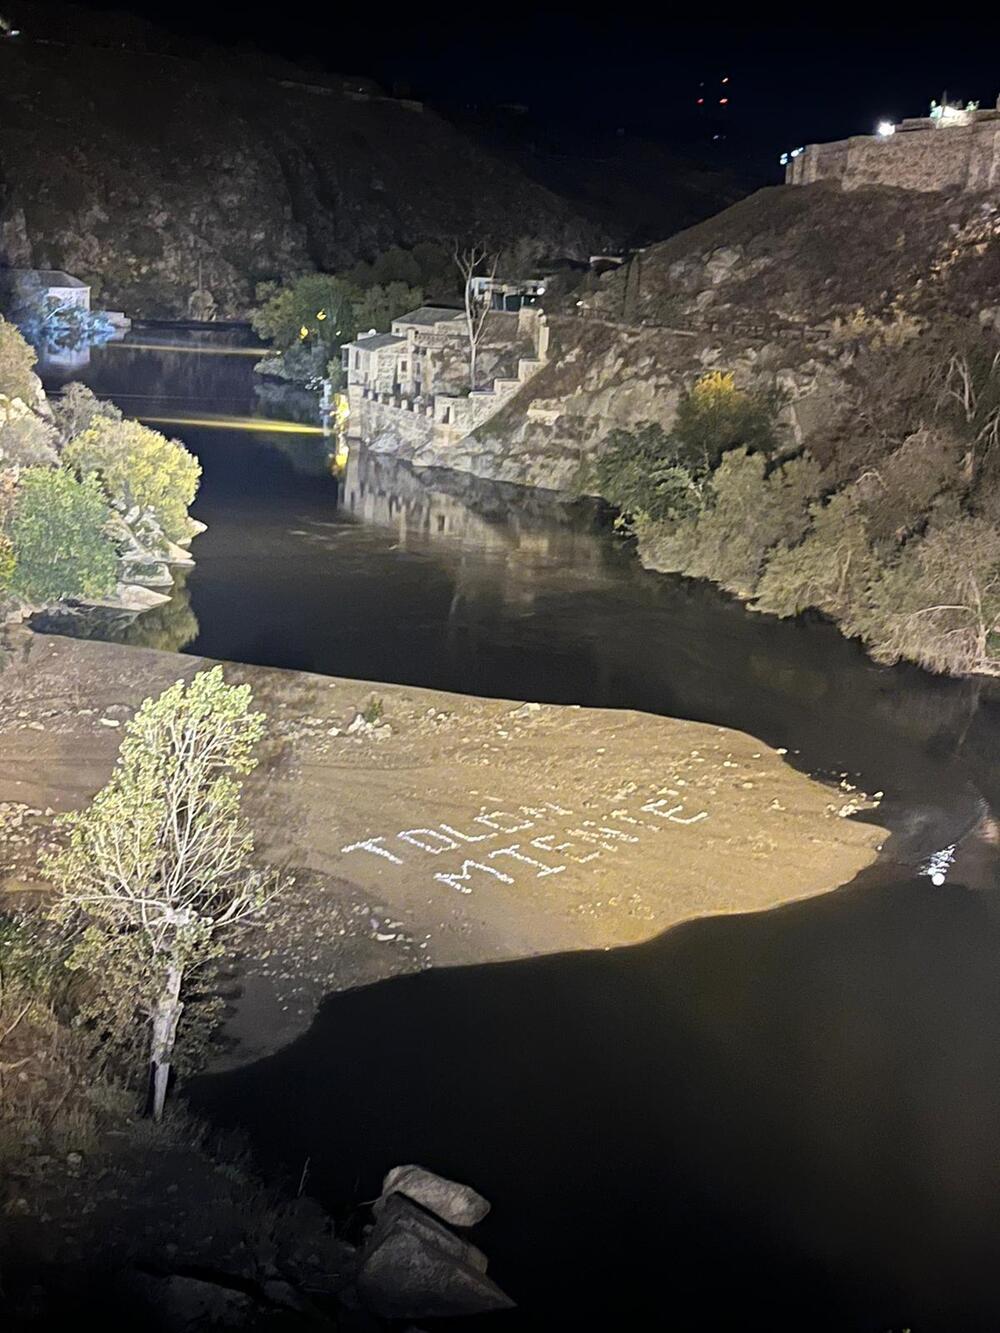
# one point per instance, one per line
(789, 1120)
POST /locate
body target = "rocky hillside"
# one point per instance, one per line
(828, 296)
(855, 338)
(135, 163)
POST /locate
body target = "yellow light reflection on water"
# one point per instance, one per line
(262, 424)
(258, 352)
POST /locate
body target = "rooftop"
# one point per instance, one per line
(374, 341)
(49, 277)
(428, 314)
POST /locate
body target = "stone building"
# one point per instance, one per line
(414, 380)
(51, 285)
(954, 148)
(376, 363)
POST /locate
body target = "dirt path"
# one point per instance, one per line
(472, 830)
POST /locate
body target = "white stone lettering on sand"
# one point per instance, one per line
(467, 837)
(490, 820)
(416, 836)
(460, 879)
(592, 834)
(653, 808)
(371, 845)
(514, 850)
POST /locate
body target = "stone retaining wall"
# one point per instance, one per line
(953, 157)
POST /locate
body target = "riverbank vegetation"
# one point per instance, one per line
(92, 505)
(107, 982)
(894, 536)
(307, 320)
(157, 872)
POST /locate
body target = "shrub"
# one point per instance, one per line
(75, 409)
(749, 512)
(899, 492)
(26, 439)
(17, 359)
(57, 532)
(969, 394)
(139, 466)
(713, 416)
(373, 710)
(939, 603)
(638, 473)
(829, 569)
(8, 563)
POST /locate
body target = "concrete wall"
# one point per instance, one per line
(954, 157)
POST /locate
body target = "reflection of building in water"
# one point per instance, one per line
(386, 494)
(55, 358)
(534, 538)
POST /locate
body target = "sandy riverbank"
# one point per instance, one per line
(476, 830)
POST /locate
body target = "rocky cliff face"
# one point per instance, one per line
(806, 289)
(141, 169)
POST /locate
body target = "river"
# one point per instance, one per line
(782, 1121)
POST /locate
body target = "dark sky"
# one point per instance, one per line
(795, 74)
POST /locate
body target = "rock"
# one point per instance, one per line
(458, 1204)
(413, 1267)
(147, 572)
(362, 727)
(175, 554)
(526, 710)
(130, 597)
(721, 263)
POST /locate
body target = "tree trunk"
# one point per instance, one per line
(472, 367)
(166, 1016)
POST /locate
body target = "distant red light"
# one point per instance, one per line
(701, 101)
(723, 101)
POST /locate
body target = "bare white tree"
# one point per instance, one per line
(475, 262)
(157, 869)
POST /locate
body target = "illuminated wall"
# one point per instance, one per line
(953, 157)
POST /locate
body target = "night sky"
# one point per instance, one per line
(796, 75)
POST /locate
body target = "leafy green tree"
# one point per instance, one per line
(138, 466)
(377, 307)
(157, 871)
(316, 308)
(76, 408)
(57, 532)
(638, 472)
(17, 359)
